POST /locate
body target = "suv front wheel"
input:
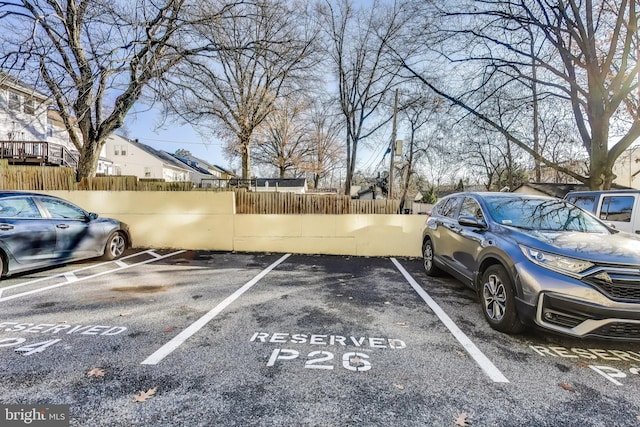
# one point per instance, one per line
(498, 301)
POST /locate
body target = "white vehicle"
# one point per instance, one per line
(618, 208)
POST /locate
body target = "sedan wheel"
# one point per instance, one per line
(498, 301)
(115, 246)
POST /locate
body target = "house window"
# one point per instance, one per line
(147, 172)
(29, 106)
(14, 101)
(123, 150)
(116, 150)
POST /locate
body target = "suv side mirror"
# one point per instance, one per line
(470, 221)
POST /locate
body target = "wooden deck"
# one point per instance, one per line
(37, 153)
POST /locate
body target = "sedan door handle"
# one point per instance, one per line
(62, 226)
(6, 227)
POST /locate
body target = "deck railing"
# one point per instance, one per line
(37, 152)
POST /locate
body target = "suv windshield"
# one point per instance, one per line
(541, 214)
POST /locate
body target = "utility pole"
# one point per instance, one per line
(393, 146)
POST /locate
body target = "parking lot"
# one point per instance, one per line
(192, 338)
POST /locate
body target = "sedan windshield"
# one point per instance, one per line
(541, 214)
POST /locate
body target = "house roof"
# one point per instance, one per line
(201, 165)
(559, 190)
(187, 160)
(221, 169)
(8, 80)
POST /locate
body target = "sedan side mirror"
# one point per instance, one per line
(93, 216)
(470, 221)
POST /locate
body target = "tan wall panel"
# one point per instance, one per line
(193, 220)
(112, 203)
(205, 220)
(361, 235)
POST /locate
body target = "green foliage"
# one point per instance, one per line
(430, 196)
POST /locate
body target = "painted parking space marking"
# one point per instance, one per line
(179, 339)
(355, 361)
(29, 342)
(71, 277)
(483, 361)
(596, 355)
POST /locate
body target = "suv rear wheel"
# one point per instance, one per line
(498, 301)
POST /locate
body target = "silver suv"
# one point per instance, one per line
(537, 260)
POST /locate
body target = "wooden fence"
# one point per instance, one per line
(14, 177)
(292, 203)
(18, 177)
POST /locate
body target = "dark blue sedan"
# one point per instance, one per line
(37, 230)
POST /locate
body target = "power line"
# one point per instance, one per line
(217, 143)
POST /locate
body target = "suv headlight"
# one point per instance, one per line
(561, 264)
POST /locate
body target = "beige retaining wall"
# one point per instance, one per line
(206, 220)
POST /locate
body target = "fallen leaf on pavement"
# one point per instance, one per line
(96, 372)
(144, 395)
(462, 420)
(169, 329)
(566, 386)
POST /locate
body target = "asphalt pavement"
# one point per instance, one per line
(188, 338)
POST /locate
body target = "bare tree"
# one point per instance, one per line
(327, 152)
(585, 58)
(95, 57)
(359, 43)
(419, 111)
(271, 50)
(282, 141)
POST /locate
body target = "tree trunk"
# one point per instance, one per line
(88, 161)
(246, 165)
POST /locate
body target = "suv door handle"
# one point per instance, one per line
(6, 227)
(62, 226)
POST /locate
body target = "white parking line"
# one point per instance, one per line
(169, 347)
(69, 275)
(42, 279)
(483, 361)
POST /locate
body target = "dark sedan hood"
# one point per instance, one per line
(619, 248)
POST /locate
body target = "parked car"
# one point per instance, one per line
(538, 260)
(38, 230)
(619, 208)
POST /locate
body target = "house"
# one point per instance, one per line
(370, 193)
(31, 131)
(627, 168)
(553, 189)
(23, 111)
(23, 122)
(58, 136)
(130, 157)
(282, 185)
(205, 175)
